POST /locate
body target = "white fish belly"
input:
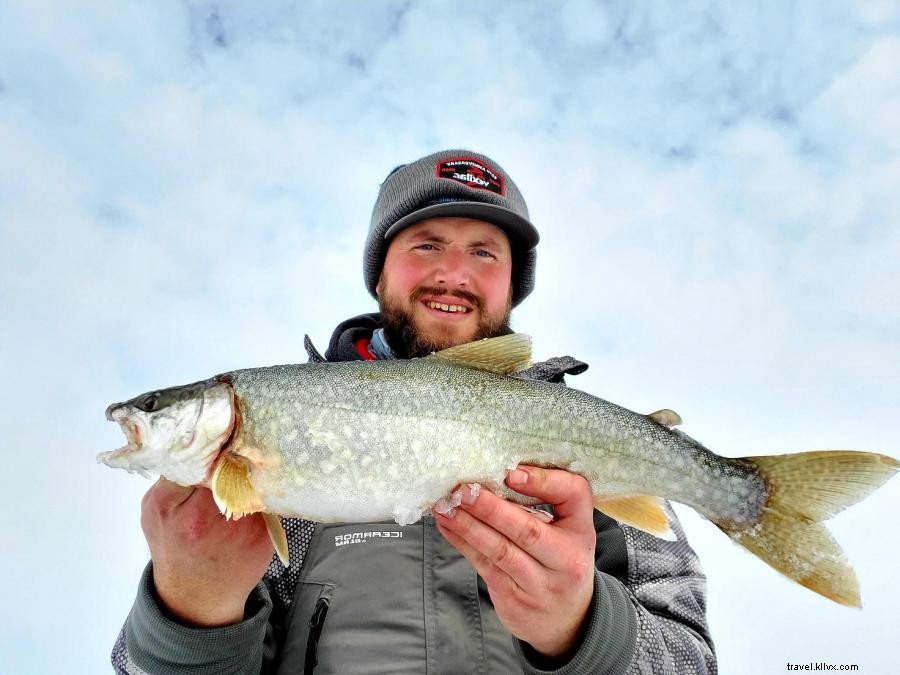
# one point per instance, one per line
(362, 466)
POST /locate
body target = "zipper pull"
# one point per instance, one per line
(315, 630)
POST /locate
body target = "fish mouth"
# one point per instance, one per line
(132, 431)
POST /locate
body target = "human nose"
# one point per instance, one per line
(452, 269)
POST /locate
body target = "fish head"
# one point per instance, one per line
(176, 432)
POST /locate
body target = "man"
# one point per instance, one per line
(486, 587)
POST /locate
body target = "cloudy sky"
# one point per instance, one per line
(185, 189)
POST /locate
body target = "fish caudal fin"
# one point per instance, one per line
(805, 489)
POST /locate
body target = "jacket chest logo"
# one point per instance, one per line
(364, 537)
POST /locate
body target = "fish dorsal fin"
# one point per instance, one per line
(666, 417)
(640, 511)
(501, 355)
(231, 487)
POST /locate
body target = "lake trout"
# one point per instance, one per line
(367, 441)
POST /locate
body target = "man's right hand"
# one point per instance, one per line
(204, 567)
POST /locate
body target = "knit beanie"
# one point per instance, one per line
(456, 183)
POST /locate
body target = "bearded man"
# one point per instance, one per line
(488, 587)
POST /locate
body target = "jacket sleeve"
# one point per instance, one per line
(151, 642)
(648, 614)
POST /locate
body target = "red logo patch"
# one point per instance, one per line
(471, 173)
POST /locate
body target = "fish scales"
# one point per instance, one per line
(479, 423)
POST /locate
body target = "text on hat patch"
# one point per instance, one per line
(471, 173)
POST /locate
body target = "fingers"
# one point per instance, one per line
(486, 547)
(511, 537)
(569, 493)
(539, 575)
(491, 523)
(167, 495)
(512, 573)
(170, 509)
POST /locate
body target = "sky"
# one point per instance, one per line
(185, 189)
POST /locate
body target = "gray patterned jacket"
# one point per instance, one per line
(379, 597)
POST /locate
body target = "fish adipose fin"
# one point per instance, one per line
(805, 489)
(666, 417)
(500, 355)
(278, 537)
(639, 511)
(231, 487)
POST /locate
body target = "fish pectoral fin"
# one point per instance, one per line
(500, 355)
(278, 536)
(639, 511)
(232, 489)
(666, 417)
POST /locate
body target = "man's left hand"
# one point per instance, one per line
(540, 575)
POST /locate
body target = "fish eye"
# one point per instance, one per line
(149, 403)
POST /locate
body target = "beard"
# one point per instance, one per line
(409, 341)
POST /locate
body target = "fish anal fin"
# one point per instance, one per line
(278, 536)
(666, 417)
(232, 489)
(501, 355)
(639, 511)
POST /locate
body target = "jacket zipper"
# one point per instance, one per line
(315, 630)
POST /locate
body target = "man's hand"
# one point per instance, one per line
(204, 567)
(540, 576)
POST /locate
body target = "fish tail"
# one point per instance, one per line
(805, 489)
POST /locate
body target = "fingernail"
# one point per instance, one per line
(470, 493)
(445, 505)
(517, 477)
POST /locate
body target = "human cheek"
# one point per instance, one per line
(411, 276)
(495, 285)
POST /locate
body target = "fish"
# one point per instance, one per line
(364, 441)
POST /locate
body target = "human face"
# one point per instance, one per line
(462, 263)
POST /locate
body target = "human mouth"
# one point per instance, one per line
(445, 307)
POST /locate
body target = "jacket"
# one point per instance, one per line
(380, 597)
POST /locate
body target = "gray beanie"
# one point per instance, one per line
(452, 183)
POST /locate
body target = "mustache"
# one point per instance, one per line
(468, 296)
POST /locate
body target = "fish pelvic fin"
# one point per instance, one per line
(640, 511)
(278, 537)
(500, 355)
(805, 489)
(232, 489)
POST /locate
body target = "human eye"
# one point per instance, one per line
(482, 253)
(425, 247)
